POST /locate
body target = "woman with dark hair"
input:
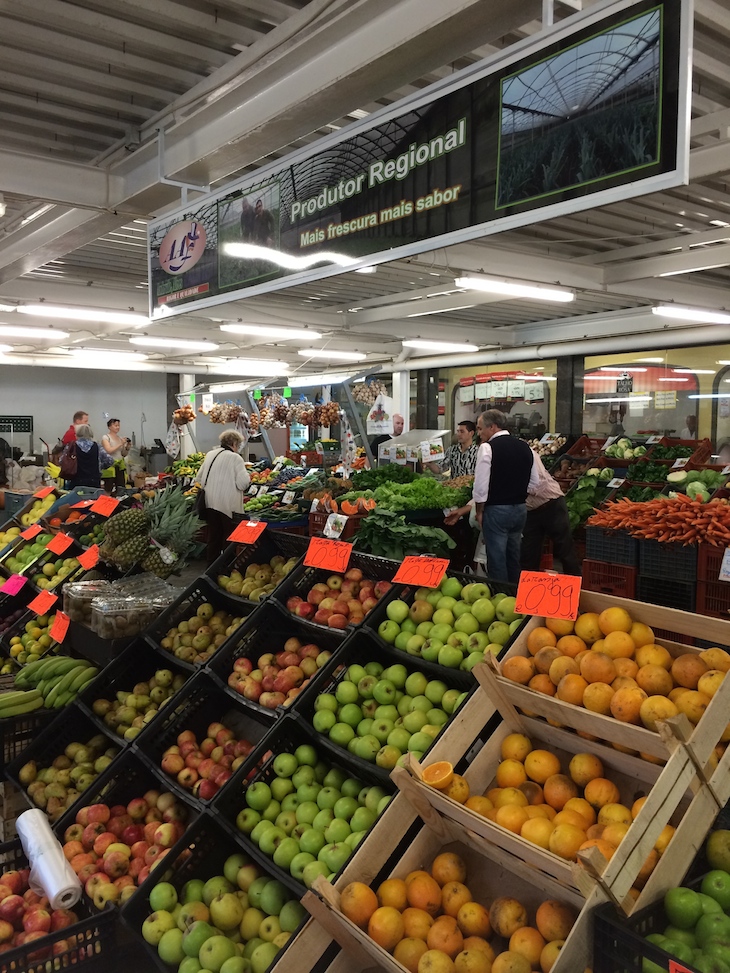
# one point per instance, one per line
(224, 478)
(117, 447)
(91, 459)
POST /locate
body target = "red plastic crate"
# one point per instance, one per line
(709, 562)
(713, 598)
(609, 579)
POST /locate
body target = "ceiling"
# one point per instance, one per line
(85, 85)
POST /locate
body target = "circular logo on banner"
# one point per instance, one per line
(182, 247)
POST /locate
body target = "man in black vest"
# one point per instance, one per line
(505, 471)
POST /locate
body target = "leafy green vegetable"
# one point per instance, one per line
(647, 472)
(587, 494)
(390, 473)
(671, 452)
(386, 534)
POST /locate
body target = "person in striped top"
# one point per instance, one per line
(461, 458)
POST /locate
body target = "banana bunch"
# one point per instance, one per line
(57, 681)
(17, 703)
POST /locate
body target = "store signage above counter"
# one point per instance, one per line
(589, 112)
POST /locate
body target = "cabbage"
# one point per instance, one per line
(593, 472)
(694, 476)
(697, 491)
(606, 474)
(677, 478)
(629, 454)
(624, 443)
(639, 451)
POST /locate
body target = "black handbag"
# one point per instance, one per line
(200, 508)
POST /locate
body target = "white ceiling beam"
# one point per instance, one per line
(682, 241)
(713, 14)
(679, 289)
(126, 111)
(211, 26)
(70, 183)
(35, 107)
(686, 262)
(716, 123)
(709, 160)
(588, 326)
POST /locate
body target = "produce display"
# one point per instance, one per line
(611, 664)
(589, 492)
(28, 557)
(204, 766)
(34, 641)
(183, 415)
(647, 471)
(307, 815)
(672, 452)
(452, 625)
(112, 849)
(54, 682)
(223, 412)
(195, 639)
(380, 714)
(390, 473)
(425, 493)
(697, 484)
(56, 787)
(241, 914)
(258, 580)
(639, 494)
(386, 534)
(9, 536)
(277, 678)
(7, 621)
(26, 916)
(269, 507)
(677, 520)
(549, 448)
(625, 449)
(158, 536)
(340, 601)
(431, 923)
(38, 510)
(129, 711)
(94, 536)
(188, 466)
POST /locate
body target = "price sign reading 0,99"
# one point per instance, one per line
(423, 572)
(328, 555)
(551, 595)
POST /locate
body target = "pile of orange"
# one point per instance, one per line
(561, 812)
(431, 923)
(610, 664)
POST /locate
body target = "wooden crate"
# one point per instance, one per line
(638, 738)
(680, 788)
(491, 873)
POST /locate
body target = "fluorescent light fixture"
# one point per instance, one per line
(333, 355)
(255, 367)
(230, 387)
(366, 270)
(271, 331)
(150, 341)
(307, 381)
(600, 378)
(718, 223)
(103, 355)
(710, 395)
(723, 361)
(36, 214)
(624, 398)
(693, 371)
(441, 310)
(289, 261)
(438, 345)
(653, 361)
(515, 288)
(84, 314)
(10, 331)
(695, 314)
(5, 348)
(8, 307)
(672, 380)
(621, 368)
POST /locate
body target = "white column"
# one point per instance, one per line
(402, 396)
(187, 383)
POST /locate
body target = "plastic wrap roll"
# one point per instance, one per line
(50, 873)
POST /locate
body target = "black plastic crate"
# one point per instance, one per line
(361, 648)
(71, 726)
(201, 853)
(673, 561)
(301, 580)
(18, 732)
(289, 733)
(19, 628)
(239, 556)
(672, 594)
(613, 546)
(199, 703)
(266, 631)
(94, 936)
(458, 677)
(138, 663)
(620, 944)
(202, 590)
(609, 578)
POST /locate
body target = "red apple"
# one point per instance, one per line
(80, 861)
(205, 768)
(151, 797)
(6, 931)
(85, 873)
(135, 832)
(323, 615)
(115, 864)
(305, 610)
(194, 759)
(291, 603)
(137, 863)
(118, 825)
(91, 833)
(187, 777)
(252, 689)
(150, 857)
(328, 603)
(154, 814)
(116, 809)
(137, 808)
(149, 830)
(97, 879)
(139, 848)
(310, 650)
(143, 875)
(12, 910)
(369, 604)
(184, 737)
(188, 747)
(175, 813)
(237, 763)
(353, 574)
(243, 665)
(99, 812)
(62, 919)
(103, 841)
(292, 644)
(207, 746)
(214, 728)
(337, 621)
(272, 700)
(172, 763)
(124, 881)
(381, 587)
(217, 755)
(205, 789)
(15, 881)
(72, 833)
(242, 748)
(82, 816)
(367, 591)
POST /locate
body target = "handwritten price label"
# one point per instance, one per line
(45, 492)
(247, 531)
(82, 504)
(288, 497)
(614, 483)
(551, 595)
(31, 532)
(253, 490)
(13, 585)
(328, 555)
(59, 543)
(675, 967)
(679, 463)
(60, 626)
(90, 558)
(424, 572)
(104, 506)
(653, 439)
(42, 602)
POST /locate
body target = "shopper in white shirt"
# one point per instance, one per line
(690, 430)
(224, 478)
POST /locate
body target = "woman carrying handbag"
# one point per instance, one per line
(224, 479)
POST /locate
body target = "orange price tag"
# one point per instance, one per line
(30, 532)
(46, 491)
(90, 558)
(105, 506)
(13, 585)
(551, 595)
(81, 503)
(59, 543)
(328, 555)
(247, 531)
(43, 602)
(424, 572)
(60, 626)
(675, 967)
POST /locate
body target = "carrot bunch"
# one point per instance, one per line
(676, 520)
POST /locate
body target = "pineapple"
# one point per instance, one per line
(131, 551)
(155, 565)
(121, 527)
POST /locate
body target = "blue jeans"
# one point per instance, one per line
(502, 526)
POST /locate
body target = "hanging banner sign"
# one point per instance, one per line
(480, 386)
(486, 152)
(466, 390)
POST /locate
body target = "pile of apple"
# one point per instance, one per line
(231, 923)
(340, 601)
(381, 714)
(113, 849)
(277, 678)
(310, 816)
(195, 639)
(204, 767)
(26, 916)
(258, 580)
(131, 710)
(56, 787)
(452, 625)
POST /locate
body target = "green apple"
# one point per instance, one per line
(373, 797)
(460, 608)
(215, 951)
(299, 863)
(341, 734)
(513, 626)
(285, 765)
(450, 657)
(254, 942)
(451, 587)
(416, 683)
(408, 627)
(473, 659)
(716, 884)
(313, 870)
(366, 686)
(196, 935)
(170, 948)
(323, 721)
(346, 692)
(436, 717)
(367, 747)
(388, 630)
(448, 700)
(386, 711)
(216, 886)
(484, 611)
(478, 642)
(384, 691)
(414, 644)
(387, 757)
(307, 812)
(398, 738)
(401, 640)
(303, 776)
(421, 702)
(414, 720)
(269, 929)
(156, 925)
(682, 907)
(255, 890)
(434, 597)
(442, 616)
(430, 650)
(285, 853)
(258, 795)
(498, 632)
(362, 820)
(397, 611)
(506, 610)
(191, 964)
(326, 701)
(271, 839)
(287, 819)
(323, 819)
(280, 787)
(271, 811)
(441, 632)
(263, 956)
(163, 897)
(226, 912)
(236, 964)
(374, 668)
(355, 673)
(435, 690)
(474, 592)
(334, 856)
(328, 797)
(466, 623)
(445, 603)
(350, 713)
(192, 891)
(380, 730)
(459, 640)
(424, 629)
(292, 915)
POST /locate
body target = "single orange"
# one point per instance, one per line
(439, 775)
